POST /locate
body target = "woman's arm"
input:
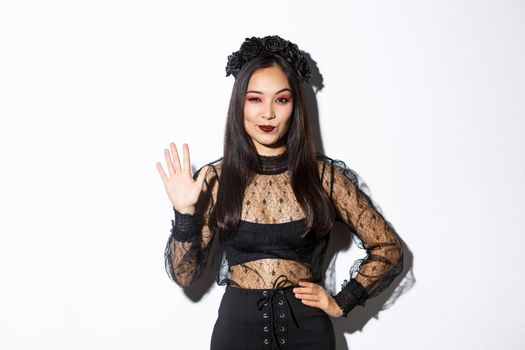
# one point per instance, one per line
(384, 259)
(189, 243)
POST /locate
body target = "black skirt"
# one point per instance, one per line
(270, 319)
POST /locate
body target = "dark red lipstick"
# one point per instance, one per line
(266, 128)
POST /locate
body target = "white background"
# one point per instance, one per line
(424, 99)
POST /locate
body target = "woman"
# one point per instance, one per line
(272, 200)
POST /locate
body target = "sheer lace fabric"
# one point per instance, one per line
(384, 250)
(267, 243)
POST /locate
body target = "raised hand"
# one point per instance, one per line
(182, 190)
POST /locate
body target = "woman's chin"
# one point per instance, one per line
(271, 146)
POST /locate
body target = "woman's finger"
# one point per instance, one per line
(311, 303)
(307, 284)
(310, 297)
(162, 173)
(186, 156)
(202, 176)
(307, 288)
(169, 163)
(176, 160)
(303, 290)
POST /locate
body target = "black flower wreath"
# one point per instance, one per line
(254, 46)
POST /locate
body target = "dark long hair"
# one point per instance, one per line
(240, 158)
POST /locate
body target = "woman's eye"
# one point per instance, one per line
(281, 100)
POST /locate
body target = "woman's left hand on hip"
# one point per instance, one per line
(313, 294)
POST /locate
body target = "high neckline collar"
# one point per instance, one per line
(273, 164)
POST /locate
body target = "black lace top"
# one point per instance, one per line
(268, 244)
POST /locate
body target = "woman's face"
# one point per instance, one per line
(268, 110)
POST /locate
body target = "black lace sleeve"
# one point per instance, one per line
(384, 258)
(189, 243)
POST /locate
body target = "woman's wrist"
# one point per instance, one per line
(336, 310)
(185, 211)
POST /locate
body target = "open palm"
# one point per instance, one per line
(183, 191)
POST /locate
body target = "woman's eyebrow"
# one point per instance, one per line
(259, 92)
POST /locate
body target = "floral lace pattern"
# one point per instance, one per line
(267, 241)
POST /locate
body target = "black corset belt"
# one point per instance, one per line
(276, 313)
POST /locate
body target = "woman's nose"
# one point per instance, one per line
(270, 114)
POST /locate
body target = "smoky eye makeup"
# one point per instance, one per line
(281, 99)
(286, 97)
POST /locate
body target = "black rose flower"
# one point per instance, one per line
(274, 43)
(304, 69)
(235, 61)
(292, 51)
(251, 47)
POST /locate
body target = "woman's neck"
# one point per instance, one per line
(273, 164)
